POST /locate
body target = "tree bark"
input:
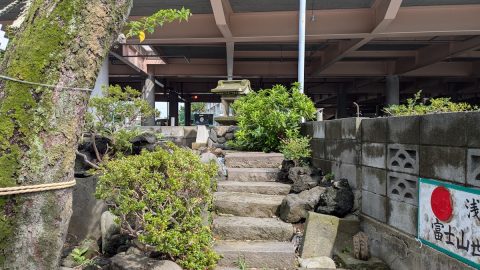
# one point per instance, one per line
(61, 43)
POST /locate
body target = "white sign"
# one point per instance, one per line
(449, 219)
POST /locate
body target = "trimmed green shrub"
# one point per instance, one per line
(296, 148)
(415, 106)
(161, 198)
(266, 117)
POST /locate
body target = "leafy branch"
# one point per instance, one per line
(416, 106)
(148, 24)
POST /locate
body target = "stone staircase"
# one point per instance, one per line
(246, 227)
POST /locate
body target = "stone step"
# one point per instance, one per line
(253, 174)
(250, 228)
(253, 160)
(270, 188)
(257, 254)
(247, 204)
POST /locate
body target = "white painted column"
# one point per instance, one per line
(301, 45)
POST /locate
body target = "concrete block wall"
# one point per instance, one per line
(384, 157)
(336, 147)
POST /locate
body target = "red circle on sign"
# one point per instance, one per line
(441, 203)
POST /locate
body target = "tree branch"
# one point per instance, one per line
(85, 158)
(97, 154)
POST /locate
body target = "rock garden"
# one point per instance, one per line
(248, 198)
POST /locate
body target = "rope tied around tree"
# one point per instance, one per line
(36, 188)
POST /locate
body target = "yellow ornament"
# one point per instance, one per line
(141, 36)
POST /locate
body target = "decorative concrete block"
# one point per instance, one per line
(404, 129)
(348, 171)
(403, 216)
(374, 130)
(473, 167)
(402, 187)
(374, 155)
(318, 148)
(447, 129)
(346, 151)
(374, 180)
(445, 163)
(318, 129)
(473, 129)
(374, 205)
(403, 158)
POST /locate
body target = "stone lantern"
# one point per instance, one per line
(230, 90)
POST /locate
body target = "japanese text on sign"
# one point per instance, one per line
(449, 219)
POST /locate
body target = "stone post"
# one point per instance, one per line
(148, 93)
(188, 113)
(173, 107)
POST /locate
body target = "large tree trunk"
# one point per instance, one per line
(62, 43)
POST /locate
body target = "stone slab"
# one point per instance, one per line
(202, 134)
(349, 262)
(253, 160)
(374, 180)
(374, 130)
(247, 204)
(85, 220)
(404, 129)
(443, 163)
(374, 205)
(402, 216)
(263, 254)
(374, 155)
(447, 129)
(250, 228)
(253, 174)
(269, 188)
(324, 233)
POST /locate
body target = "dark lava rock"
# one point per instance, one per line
(143, 141)
(286, 166)
(303, 178)
(295, 207)
(337, 200)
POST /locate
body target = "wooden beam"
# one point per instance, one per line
(436, 53)
(287, 69)
(221, 18)
(448, 20)
(384, 11)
